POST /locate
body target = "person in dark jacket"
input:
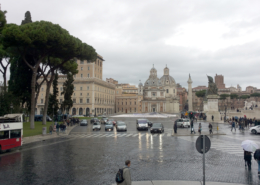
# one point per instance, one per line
(233, 126)
(257, 158)
(57, 128)
(191, 127)
(210, 129)
(175, 128)
(212, 117)
(247, 158)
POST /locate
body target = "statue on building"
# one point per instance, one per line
(212, 87)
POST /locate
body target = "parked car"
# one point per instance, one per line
(39, 118)
(121, 126)
(157, 128)
(255, 129)
(84, 122)
(96, 126)
(109, 126)
(93, 120)
(104, 120)
(141, 124)
(183, 122)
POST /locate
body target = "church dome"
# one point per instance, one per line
(153, 80)
(166, 79)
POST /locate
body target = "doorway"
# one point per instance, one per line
(153, 109)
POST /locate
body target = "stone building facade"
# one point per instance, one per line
(91, 94)
(159, 95)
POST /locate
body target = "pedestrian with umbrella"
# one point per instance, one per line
(257, 158)
(249, 147)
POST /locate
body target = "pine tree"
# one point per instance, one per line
(68, 89)
(53, 99)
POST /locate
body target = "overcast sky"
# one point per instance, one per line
(196, 37)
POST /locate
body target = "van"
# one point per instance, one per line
(184, 122)
(142, 124)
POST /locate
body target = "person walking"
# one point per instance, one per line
(57, 128)
(210, 128)
(175, 127)
(247, 158)
(257, 158)
(191, 127)
(199, 129)
(233, 126)
(126, 174)
(212, 117)
(51, 129)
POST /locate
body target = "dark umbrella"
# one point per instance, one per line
(257, 154)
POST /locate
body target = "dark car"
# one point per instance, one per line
(150, 124)
(40, 117)
(84, 122)
(157, 128)
(104, 120)
(109, 126)
(93, 120)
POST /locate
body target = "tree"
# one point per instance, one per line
(53, 100)
(224, 96)
(68, 89)
(20, 75)
(41, 40)
(4, 53)
(244, 96)
(233, 96)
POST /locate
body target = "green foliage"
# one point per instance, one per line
(201, 93)
(244, 97)
(224, 96)
(2, 20)
(6, 99)
(255, 95)
(53, 99)
(233, 96)
(68, 89)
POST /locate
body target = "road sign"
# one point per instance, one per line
(199, 144)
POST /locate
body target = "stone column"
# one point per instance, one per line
(190, 93)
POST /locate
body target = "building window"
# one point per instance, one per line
(41, 100)
(82, 62)
(81, 68)
(126, 103)
(87, 87)
(130, 103)
(122, 109)
(61, 89)
(118, 103)
(81, 101)
(81, 75)
(122, 103)
(88, 68)
(42, 88)
(88, 94)
(74, 100)
(80, 94)
(74, 94)
(81, 88)
(154, 93)
(167, 90)
(87, 100)
(88, 75)
(135, 109)
(61, 93)
(135, 103)
(74, 88)
(60, 100)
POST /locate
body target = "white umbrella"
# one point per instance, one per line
(249, 146)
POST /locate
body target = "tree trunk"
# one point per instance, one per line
(33, 97)
(47, 94)
(4, 75)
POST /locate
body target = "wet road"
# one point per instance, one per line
(87, 157)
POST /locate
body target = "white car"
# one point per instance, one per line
(121, 126)
(96, 126)
(255, 129)
(183, 122)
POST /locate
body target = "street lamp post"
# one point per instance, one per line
(11, 106)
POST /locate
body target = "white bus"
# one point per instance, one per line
(11, 131)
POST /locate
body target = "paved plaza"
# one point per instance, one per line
(93, 157)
